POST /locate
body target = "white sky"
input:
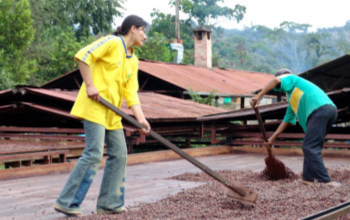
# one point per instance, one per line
(270, 13)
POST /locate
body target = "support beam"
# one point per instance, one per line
(213, 132)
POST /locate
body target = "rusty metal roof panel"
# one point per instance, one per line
(157, 106)
(154, 106)
(244, 82)
(5, 91)
(247, 113)
(65, 95)
(277, 110)
(206, 80)
(332, 75)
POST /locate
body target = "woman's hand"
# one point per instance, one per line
(92, 92)
(146, 130)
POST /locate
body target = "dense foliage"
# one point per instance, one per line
(261, 49)
(16, 34)
(38, 38)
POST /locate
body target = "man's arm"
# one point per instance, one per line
(279, 130)
(254, 102)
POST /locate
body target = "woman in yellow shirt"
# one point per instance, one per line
(109, 69)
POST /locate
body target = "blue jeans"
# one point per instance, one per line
(111, 196)
(318, 125)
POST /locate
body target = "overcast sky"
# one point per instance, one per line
(270, 13)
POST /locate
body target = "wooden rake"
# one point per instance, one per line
(275, 168)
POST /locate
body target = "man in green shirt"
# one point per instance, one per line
(315, 112)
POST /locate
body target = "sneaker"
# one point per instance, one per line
(305, 182)
(62, 210)
(333, 184)
(113, 212)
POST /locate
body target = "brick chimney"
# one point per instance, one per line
(202, 48)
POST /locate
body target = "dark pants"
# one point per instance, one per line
(317, 127)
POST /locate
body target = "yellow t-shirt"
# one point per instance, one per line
(114, 74)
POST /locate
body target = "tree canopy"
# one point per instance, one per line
(38, 38)
(205, 12)
(16, 34)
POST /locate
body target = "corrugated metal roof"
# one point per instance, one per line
(65, 95)
(277, 110)
(203, 79)
(329, 76)
(155, 106)
(274, 111)
(228, 81)
(5, 91)
(333, 75)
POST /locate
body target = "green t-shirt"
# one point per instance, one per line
(303, 98)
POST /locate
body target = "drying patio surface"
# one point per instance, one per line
(32, 198)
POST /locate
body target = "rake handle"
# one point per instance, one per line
(262, 129)
(173, 147)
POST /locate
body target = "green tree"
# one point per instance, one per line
(155, 48)
(16, 30)
(85, 17)
(205, 12)
(68, 26)
(203, 100)
(16, 34)
(165, 24)
(54, 54)
(94, 16)
(163, 30)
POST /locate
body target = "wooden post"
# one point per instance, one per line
(213, 132)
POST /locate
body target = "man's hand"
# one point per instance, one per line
(269, 143)
(254, 102)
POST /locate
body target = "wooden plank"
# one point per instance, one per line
(132, 159)
(43, 130)
(30, 156)
(41, 136)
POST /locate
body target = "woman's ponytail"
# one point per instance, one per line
(128, 23)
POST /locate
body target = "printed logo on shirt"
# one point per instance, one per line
(295, 99)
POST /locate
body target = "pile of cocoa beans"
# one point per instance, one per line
(282, 199)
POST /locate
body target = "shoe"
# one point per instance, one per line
(333, 184)
(113, 212)
(62, 210)
(305, 182)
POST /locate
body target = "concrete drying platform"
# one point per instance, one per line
(32, 198)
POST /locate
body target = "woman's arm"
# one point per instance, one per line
(140, 117)
(91, 90)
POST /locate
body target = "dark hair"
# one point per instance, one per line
(128, 23)
(282, 72)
